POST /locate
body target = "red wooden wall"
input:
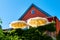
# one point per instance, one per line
(57, 25)
(30, 15)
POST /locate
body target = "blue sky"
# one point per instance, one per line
(11, 10)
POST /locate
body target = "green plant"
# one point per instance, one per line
(38, 33)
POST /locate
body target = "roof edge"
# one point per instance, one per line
(35, 7)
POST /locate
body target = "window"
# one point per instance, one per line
(32, 12)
